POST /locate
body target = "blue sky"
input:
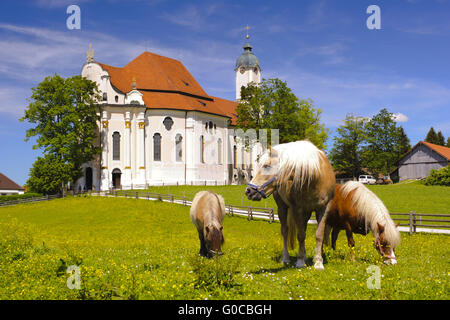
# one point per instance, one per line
(322, 48)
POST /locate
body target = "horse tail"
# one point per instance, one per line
(292, 229)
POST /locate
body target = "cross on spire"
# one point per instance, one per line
(90, 54)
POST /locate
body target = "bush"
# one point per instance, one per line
(19, 196)
(439, 177)
(213, 273)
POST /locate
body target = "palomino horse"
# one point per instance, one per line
(356, 209)
(207, 213)
(301, 179)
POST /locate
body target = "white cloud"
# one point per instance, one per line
(400, 117)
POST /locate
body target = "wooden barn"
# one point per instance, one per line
(420, 160)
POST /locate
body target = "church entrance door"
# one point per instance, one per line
(88, 176)
(116, 178)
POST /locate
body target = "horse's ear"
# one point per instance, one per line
(380, 228)
(207, 229)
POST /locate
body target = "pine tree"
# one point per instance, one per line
(440, 140)
(403, 143)
(431, 136)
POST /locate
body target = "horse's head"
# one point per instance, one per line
(383, 247)
(213, 239)
(264, 182)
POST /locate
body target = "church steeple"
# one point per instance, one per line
(247, 67)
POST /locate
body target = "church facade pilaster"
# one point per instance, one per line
(127, 181)
(141, 176)
(104, 176)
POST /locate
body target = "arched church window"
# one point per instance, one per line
(156, 147)
(116, 98)
(105, 96)
(168, 123)
(178, 148)
(116, 146)
(219, 151)
(134, 102)
(202, 149)
(210, 126)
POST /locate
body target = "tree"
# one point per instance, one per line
(448, 142)
(431, 136)
(272, 105)
(382, 140)
(48, 174)
(65, 118)
(345, 155)
(440, 140)
(403, 143)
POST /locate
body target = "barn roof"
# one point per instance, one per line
(166, 83)
(7, 184)
(441, 150)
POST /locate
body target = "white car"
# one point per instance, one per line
(367, 179)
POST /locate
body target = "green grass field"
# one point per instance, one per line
(138, 249)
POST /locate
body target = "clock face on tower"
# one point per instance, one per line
(242, 70)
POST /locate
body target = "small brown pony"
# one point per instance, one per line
(207, 213)
(301, 180)
(356, 209)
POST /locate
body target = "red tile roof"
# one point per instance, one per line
(7, 184)
(166, 83)
(443, 151)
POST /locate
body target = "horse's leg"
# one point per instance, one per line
(282, 216)
(326, 236)
(321, 216)
(302, 222)
(203, 251)
(334, 236)
(351, 242)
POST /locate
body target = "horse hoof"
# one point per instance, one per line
(300, 263)
(318, 265)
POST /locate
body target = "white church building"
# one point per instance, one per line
(158, 126)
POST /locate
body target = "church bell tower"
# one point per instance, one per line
(247, 68)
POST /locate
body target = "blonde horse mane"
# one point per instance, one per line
(300, 158)
(369, 206)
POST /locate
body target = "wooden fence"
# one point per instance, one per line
(416, 222)
(413, 220)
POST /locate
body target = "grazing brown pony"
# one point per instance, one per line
(356, 209)
(302, 181)
(207, 213)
